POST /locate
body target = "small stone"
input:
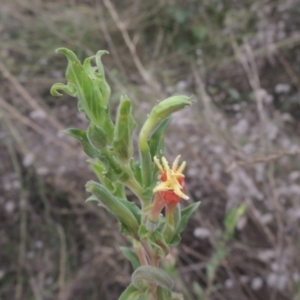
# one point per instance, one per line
(39, 244)
(201, 233)
(256, 283)
(28, 159)
(9, 206)
(37, 114)
(282, 88)
(266, 255)
(229, 283)
(42, 171)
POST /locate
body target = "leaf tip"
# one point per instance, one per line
(101, 52)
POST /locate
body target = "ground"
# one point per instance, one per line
(239, 61)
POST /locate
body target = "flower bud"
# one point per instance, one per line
(168, 106)
(162, 111)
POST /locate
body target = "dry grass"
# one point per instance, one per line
(240, 140)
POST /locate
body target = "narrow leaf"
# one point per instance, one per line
(114, 205)
(124, 128)
(92, 198)
(231, 219)
(67, 88)
(97, 137)
(100, 170)
(186, 213)
(131, 256)
(163, 294)
(144, 275)
(131, 293)
(88, 92)
(156, 141)
(158, 243)
(80, 135)
(105, 88)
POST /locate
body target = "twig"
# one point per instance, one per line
(14, 112)
(23, 221)
(24, 93)
(111, 45)
(253, 78)
(62, 261)
(264, 159)
(35, 289)
(288, 69)
(144, 73)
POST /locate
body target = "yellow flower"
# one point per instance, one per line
(171, 185)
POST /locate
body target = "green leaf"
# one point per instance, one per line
(200, 32)
(97, 137)
(81, 109)
(143, 232)
(117, 189)
(156, 141)
(90, 88)
(186, 213)
(134, 209)
(198, 290)
(131, 256)
(168, 231)
(136, 169)
(131, 293)
(99, 78)
(93, 198)
(168, 106)
(69, 89)
(113, 169)
(115, 206)
(176, 296)
(231, 219)
(145, 275)
(105, 88)
(163, 294)
(88, 92)
(215, 261)
(124, 128)
(158, 243)
(80, 135)
(156, 239)
(108, 125)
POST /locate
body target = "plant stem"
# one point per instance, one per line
(145, 157)
(140, 251)
(135, 186)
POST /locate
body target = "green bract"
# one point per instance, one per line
(125, 126)
(89, 86)
(111, 150)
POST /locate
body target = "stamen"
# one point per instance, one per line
(175, 163)
(157, 162)
(181, 168)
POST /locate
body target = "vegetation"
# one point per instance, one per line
(239, 60)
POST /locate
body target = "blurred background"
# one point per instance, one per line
(241, 62)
